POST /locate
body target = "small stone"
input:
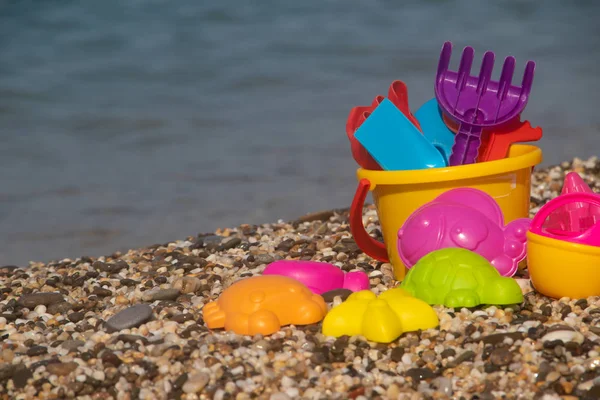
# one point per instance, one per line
(20, 375)
(36, 351)
(161, 294)
(59, 308)
(196, 382)
(72, 345)
(443, 385)
(75, 317)
(279, 396)
(420, 374)
(564, 335)
(30, 301)
(498, 338)
(397, 353)
(448, 353)
(187, 284)
(181, 318)
(230, 242)
(428, 356)
(129, 318)
(543, 371)
(261, 259)
(465, 356)
(501, 356)
(61, 369)
(102, 292)
(330, 295)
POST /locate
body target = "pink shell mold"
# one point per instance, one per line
(319, 277)
(465, 218)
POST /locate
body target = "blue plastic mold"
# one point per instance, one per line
(433, 127)
(395, 143)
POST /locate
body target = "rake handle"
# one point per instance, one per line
(466, 145)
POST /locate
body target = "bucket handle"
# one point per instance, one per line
(563, 199)
(368, 244)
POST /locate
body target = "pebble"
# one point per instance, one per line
(196, 382)
(72, 345)
(501, 357)
(330, 295)
(564, 336)
(161, 294)
(59, 308)
(187, 284)
(129, 318)
(61, 369)
(35, 299)
(36, 351)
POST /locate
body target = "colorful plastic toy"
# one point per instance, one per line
(566, 265)
(361, 156)
(397, 194)
(263, 304)
(466, 218)
(434, 128)
(477, 102)
(397, 94)
(573, 217)
(589, 237)
(380, 319)
(496, 142)
(394, 142)
(460, 278)
(319, 277)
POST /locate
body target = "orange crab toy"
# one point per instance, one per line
(263, 304)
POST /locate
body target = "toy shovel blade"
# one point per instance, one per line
(360, 155)
(394, 141)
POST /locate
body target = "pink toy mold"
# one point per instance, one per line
(574, 217)
(319, 277)
(466, 218)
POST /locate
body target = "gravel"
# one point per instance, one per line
(129, 326)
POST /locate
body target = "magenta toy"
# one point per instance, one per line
(573, 217)
(469, 219)
(319, 277)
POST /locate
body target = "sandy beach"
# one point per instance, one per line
(60, 338)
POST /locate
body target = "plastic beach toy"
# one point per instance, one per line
(319, 277)
(466, 218)
(589, 237)
(573, 217)
(398, 95)
(397, 194)
(263, 304)
(434, 128)
(496, 142)
(460, 278)
(394, 142)
(477, 102)
(380, 319)
(565, 265)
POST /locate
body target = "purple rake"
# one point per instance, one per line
(477, 102)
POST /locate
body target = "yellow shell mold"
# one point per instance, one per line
(379, 319)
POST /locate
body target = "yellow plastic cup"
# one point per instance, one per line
(564, 265)
(562, 269)
(397, 194)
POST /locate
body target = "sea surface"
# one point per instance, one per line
(128, 123)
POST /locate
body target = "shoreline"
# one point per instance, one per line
(60, 345)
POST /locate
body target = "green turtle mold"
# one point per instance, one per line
(457, 277)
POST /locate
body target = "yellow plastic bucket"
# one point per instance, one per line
(397, 194)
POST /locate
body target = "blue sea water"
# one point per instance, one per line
(126, 123)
